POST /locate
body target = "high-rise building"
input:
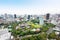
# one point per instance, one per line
(10, 15)
(47, 16)
(58, 15)
(28, 17)
(6, 16)
(37, 17)
(41, 20)
(15, 16)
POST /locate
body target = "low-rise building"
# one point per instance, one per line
(4, 34)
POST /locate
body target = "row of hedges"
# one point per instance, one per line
(42, 36)
(38, 37)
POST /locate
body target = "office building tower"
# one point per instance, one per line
(41, 20)
(28, 17)
(47, 16)
(37, 17)
(10, 15)
(15, 16)
(58, 15)
(6, 16)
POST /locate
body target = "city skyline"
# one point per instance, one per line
(22, 7)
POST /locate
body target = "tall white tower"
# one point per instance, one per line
(41, 20)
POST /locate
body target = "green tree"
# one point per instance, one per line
(52, 35)
(35, 21)
(42, 36)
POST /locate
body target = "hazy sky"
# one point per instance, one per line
(21, 7)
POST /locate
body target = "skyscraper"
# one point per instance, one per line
(41, 20)
(15, 16)
(47, 16)
(6, 16)
(28, 17)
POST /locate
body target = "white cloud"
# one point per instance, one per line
(22, 11)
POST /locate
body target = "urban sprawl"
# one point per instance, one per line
(30, 27)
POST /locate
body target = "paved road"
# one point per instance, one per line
(49, 31)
